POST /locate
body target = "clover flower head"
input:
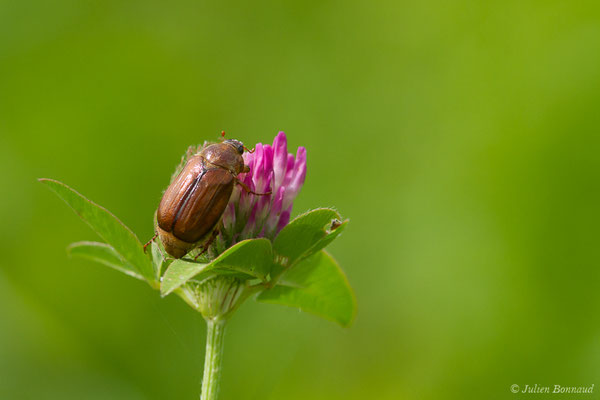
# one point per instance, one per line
(272, 169)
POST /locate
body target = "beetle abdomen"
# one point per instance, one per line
(204, 206)
(193, 204)
(172, 198)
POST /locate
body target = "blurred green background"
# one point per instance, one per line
(461, 138)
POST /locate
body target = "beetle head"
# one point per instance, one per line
(227, 154)
(239, 146)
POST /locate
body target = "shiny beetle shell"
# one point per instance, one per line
(194, 202)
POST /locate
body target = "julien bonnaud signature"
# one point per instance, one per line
(556, 389)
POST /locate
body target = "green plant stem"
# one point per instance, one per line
(212, 361)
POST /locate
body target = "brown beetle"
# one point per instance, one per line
(192, 206)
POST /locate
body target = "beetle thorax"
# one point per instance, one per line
(224, 155)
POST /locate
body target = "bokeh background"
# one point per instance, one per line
(461, 138)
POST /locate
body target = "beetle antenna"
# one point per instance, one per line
(248, 150)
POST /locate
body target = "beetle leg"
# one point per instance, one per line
(247, 189)
(208, 243)
(150, 241)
